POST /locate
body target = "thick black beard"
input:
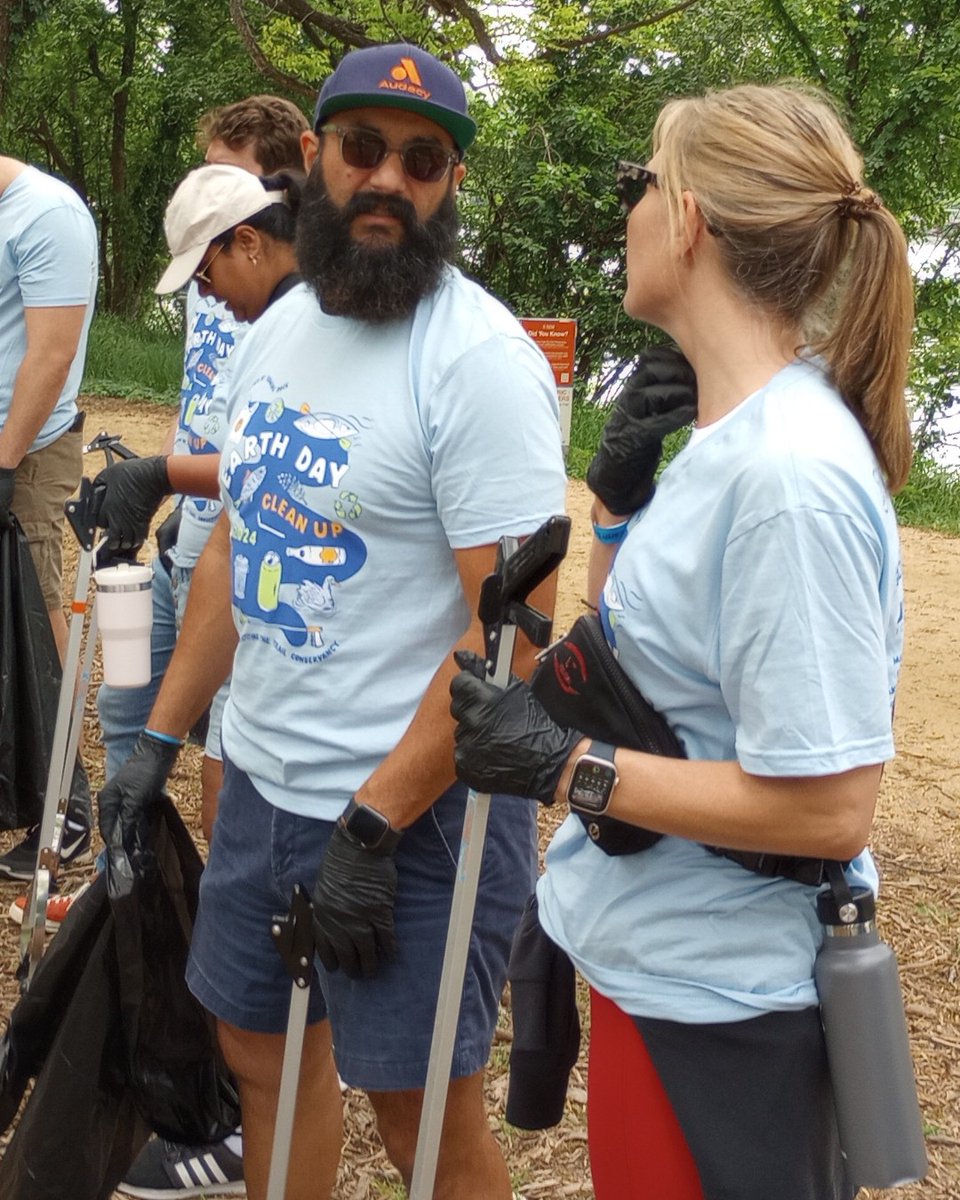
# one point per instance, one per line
(375, 283)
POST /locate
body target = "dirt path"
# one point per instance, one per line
(917, 842)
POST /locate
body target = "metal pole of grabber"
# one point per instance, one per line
(81, 515)
(293, 935)
(520, 569)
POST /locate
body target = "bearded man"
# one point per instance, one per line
(389, 422)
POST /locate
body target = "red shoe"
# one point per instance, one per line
(57, 908)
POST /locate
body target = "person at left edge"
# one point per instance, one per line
(48, 284)
(389, 421)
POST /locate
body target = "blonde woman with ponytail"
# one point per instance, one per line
(755, 599)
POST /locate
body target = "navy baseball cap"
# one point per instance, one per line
(398, 76)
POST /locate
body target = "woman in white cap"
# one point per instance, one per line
(233, 233)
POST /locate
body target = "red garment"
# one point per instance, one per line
(637, 1148)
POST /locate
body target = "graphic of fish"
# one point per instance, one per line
(324, 425)
(316, 556)
(251, 483)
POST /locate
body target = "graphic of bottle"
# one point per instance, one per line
(318, 556)
(241, 565)
(268, 584)
(315, 635)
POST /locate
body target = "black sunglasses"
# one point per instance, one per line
(365, 150)
(632, 181)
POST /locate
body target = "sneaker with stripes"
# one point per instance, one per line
(57, 908)
(163, 1169)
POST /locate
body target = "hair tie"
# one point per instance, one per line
(856, 201)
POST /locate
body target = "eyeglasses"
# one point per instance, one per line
(202, 274)
(365, 150)
(631, 184)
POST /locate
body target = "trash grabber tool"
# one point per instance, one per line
(293, 936)
(502, 609)
(81, 514)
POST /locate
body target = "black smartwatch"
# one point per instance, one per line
(593, 780)
(371, 828)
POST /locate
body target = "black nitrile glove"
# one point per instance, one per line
(126, 802)
(353, 907)
(134, 490)
(506, 741)
(658, 398)
(7, 477)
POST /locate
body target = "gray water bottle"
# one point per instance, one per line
(861, 1006)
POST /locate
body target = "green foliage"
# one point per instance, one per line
(107, 92)
(931, 499)
(127, 358)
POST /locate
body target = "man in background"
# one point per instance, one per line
(48, 284)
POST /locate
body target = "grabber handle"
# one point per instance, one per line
(111, 446)
(83, 511)
(519, 569)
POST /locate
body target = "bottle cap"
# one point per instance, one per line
(828, 909)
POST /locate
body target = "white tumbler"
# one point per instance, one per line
(125, 617)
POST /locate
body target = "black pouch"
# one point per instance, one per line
(582, 686)
(29, 684)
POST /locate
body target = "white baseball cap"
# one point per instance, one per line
(209, 201)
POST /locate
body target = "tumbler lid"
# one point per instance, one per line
(124, 577)
(828, 907)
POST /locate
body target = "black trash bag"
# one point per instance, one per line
(29, 684)
(81, 1128)
(546, 1025)
(118, 1047)
(182, 1087)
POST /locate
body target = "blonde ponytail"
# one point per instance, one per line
(776, 176)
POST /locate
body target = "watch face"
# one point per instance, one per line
(592, 784)
(367, 825)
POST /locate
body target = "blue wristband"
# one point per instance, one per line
(610, 534)
(164, 737)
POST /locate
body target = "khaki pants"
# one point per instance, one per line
(44, 481)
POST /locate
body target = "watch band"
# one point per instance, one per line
(605, 750)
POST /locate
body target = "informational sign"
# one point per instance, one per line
(557, 338)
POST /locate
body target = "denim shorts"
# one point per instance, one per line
(382, 1027)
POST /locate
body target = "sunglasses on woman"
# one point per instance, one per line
(202, 273)
(365, 150)
(632, 182)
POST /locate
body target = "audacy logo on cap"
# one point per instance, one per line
(405, 77)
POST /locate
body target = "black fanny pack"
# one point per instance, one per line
(582, 686)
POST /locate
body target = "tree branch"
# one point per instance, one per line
(602, 36)
(260, 60)
(801, 39)
(348, 33)
(459, 8)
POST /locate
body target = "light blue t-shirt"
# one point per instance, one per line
(757, 603)
(359, 458)
(213, 334)
(48, 259)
